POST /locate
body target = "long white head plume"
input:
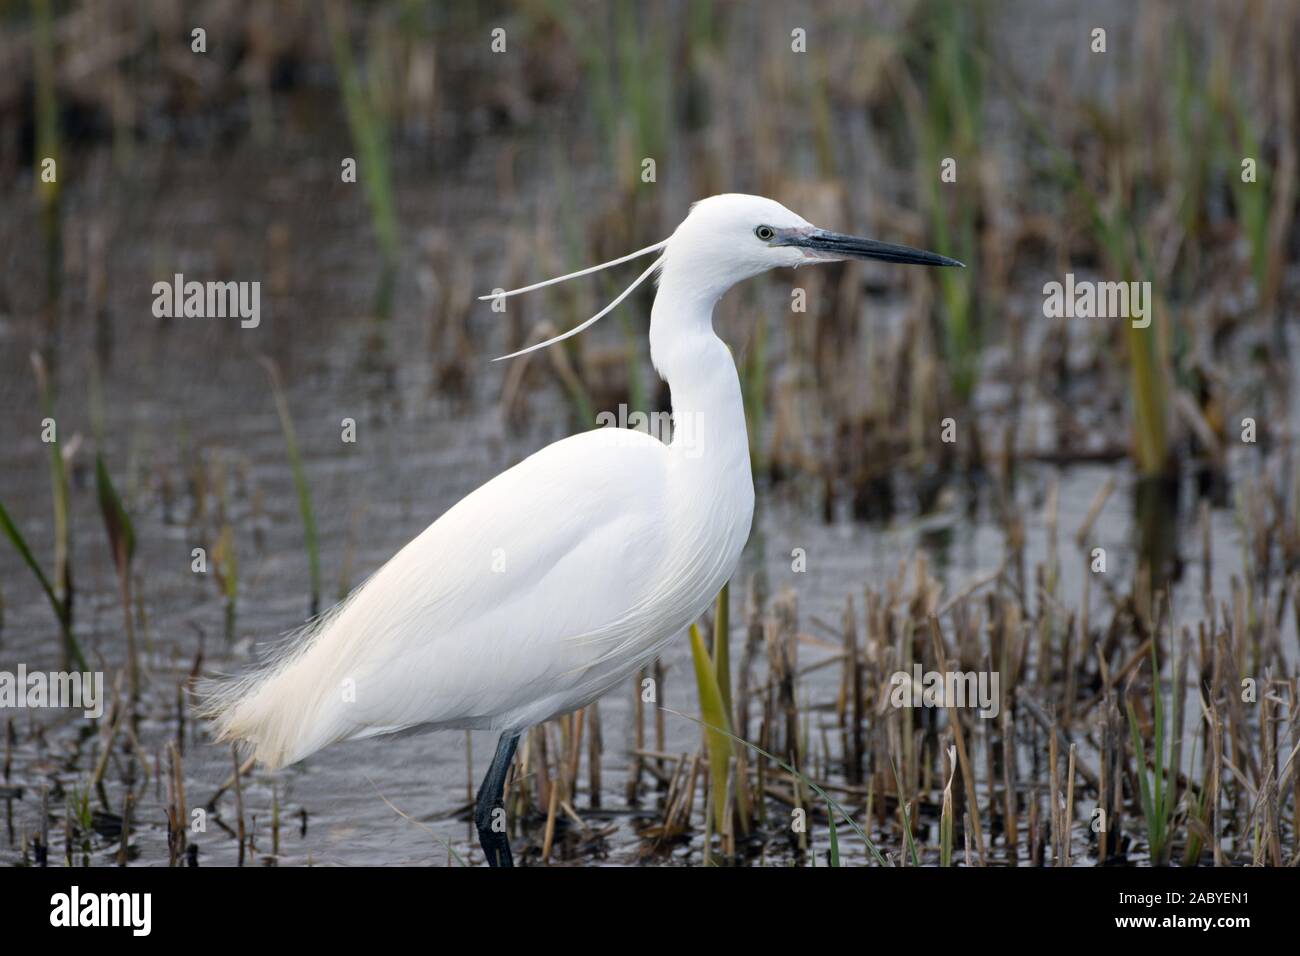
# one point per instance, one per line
(591, 321)
(574, 275)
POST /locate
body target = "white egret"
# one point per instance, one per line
(563, 575)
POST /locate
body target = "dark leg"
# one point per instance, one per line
(495, 843)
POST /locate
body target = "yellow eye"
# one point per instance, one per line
(766, 233)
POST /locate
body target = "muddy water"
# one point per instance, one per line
(186, 396)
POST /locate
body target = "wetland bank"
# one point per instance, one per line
(1146, 713)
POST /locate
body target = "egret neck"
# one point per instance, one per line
(709, 455)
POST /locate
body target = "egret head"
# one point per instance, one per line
(731, 237)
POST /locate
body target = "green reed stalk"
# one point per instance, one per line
(121, 543)
(69, 650)
(299, 480)
(714, 711)
(369, 136)
(1155, 792)
(47, 147)
(60, 591)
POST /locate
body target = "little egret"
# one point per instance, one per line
(563, 575)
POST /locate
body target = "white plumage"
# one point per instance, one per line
(561, 576)
(542, 589)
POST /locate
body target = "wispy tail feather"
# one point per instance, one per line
(275, 706)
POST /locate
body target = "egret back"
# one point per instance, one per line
(501, 613)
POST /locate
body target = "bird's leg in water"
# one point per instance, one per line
(492, 825)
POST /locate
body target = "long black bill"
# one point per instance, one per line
(836, 245)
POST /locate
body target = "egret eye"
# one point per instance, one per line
(766, 233)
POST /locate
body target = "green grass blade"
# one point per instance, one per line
(366, 125)
(907, 822)
(1144, 785)
(20, 545)
(299, 480)
(835, 840)
(121, 535)
(121, 543)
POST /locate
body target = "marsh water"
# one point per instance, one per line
(190, 432)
